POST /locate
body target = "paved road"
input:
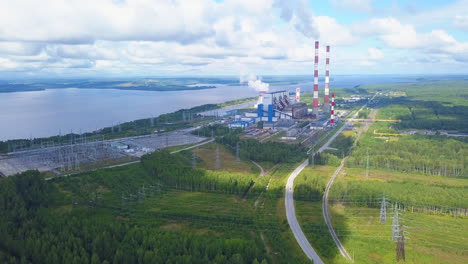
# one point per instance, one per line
(291, 211)
(262, 171)
(292, 219)
(325, 212)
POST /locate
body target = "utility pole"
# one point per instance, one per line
(395, 224)
(367, 164)
(383, 211)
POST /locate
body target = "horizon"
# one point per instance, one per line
(168, 76)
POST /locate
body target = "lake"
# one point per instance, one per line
(54, 111)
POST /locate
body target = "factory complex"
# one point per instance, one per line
(273, 107)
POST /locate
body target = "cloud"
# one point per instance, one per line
(20, 48)
(375, 53)
(461, 22)
(331, 32)
(125, 37)
(85, 21)
(300, 14)
(355, 5)
(397, 35)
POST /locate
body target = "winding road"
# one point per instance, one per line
(292, 219)
(325, 212)
(291, 211)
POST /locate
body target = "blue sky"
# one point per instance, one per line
(79, 38)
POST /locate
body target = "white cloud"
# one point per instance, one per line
(331, 32)
(300, 14)
(397, 35)
(461, 21)
(84, 21)
(355, 5)
(206, 37)
(20, 48)
(375, 53)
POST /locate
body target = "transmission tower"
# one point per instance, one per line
(383, 211)
(398, 235)
(217, 160)
(400, 248)
(238, 152)
(367, 164)
(395, 224)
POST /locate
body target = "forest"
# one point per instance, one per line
(80, 220)
(174, 171)
(271, 151)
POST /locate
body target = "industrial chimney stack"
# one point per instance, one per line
(315, 103)
(332, 111)
(326, 100)
(298, 94)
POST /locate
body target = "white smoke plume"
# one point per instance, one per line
(254, 82)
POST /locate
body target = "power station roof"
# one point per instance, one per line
(283, 91)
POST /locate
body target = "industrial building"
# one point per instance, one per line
(279, 105)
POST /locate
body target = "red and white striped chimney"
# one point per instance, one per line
(315, 103)
(298, 94)
(332, 111)
(326, 100)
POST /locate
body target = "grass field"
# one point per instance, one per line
(433, 237)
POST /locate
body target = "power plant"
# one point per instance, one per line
(283, 105)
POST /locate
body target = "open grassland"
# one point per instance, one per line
(430, 238)
(432, 155)
(207, 157)
(412, 190)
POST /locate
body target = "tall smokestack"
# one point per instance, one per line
(315, 103)
(332, 111)
(298, 94)
(326, 103)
